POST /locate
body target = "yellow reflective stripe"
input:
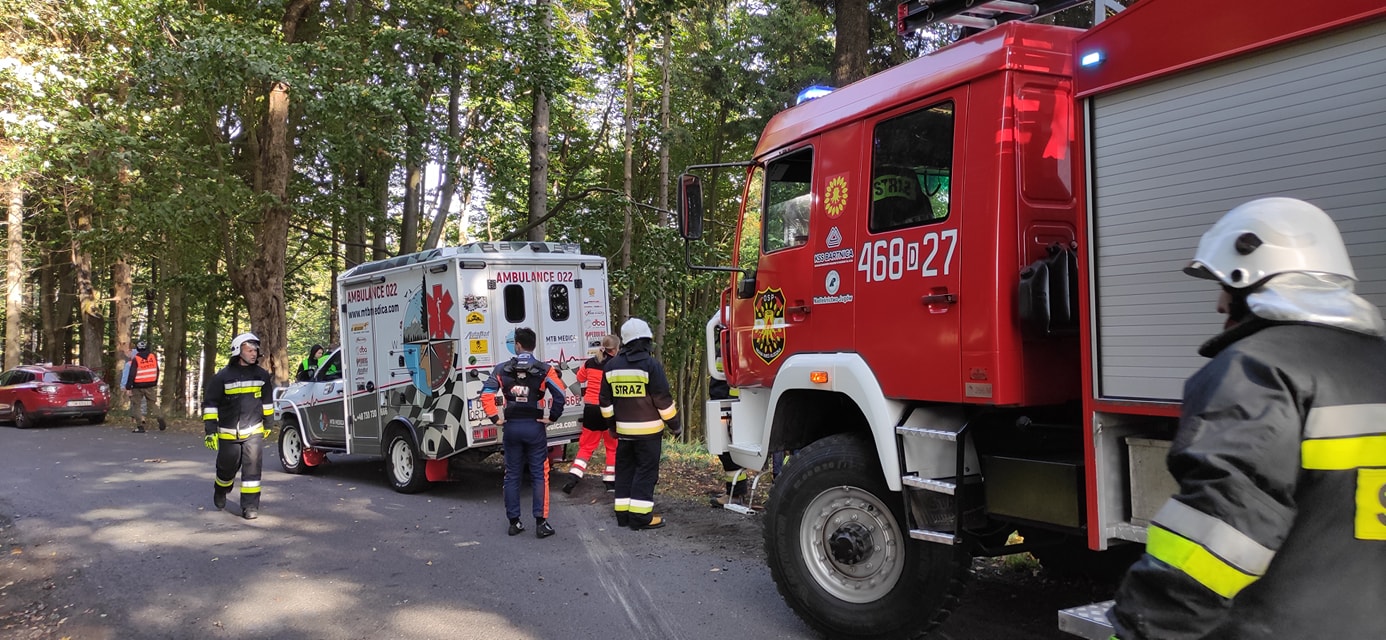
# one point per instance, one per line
(210, 415)
(1218, 537)
(641, 506)
(1338, 454)
(608, 412)
(225, 484)
(668, 414)
(241, 390)
(245, 489)
(1196, 562)
(639, 428)
(628, 375)
(622, 504)
(1343, 421)
(268, 409)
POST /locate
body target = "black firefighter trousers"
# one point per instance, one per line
(243, 456)
(637, 472)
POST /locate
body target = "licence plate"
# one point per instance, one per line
(79, 403)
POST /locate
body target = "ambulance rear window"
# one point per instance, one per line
(912, 168)
(514, 303)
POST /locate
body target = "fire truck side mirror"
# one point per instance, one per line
(690, 207)
(746, 286)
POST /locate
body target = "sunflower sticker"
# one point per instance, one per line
(835, 199)
(768, 331)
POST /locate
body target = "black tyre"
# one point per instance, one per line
(403, 465)
(97, 419)
(21, 417)
(291, 447)
(840, 555)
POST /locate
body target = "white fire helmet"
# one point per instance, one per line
(1268, 237)
(635, 329)
(242, 339)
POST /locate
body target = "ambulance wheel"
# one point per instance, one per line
(403, 464)
(839, 552)
(291, 448)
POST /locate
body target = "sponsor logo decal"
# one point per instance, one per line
(475, 318)
(835, 199)
(474, 303)
(842, 299)
(769, 328)
(835, 256)
(479, 346)
(832, 282)
(562, 338)
(834, 238)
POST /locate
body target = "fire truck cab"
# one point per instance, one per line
(956, 285)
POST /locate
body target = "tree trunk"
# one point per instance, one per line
(356, 220)
(852, 23)
(662, 302)
(14, 272)
(93, 321)
(413, 197)
(627, 170)
(380, 215)
(539, 139)
(173, 396)
(49, 323)
(450, 162)
(122, 308)
(261, 282)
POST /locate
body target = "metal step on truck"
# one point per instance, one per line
(420, 334)
(956, 287)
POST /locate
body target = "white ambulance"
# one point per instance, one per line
(421, 333)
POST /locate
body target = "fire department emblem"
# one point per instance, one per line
(835, 200)
(768, 330)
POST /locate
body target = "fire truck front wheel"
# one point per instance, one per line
(403, 464)
(840, 556)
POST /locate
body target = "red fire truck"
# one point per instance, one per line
(956, 286)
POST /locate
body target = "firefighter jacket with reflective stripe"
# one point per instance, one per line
(636, 393)
(1279, 526)
(237, 401)
(146, 370)
(589, 375)
(522, 382)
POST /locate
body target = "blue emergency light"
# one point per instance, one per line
(816, 91)
(1090, 59)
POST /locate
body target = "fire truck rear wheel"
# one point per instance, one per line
(403, 464)
(840, 556)
(291, 448)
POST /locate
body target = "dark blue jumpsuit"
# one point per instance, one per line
(522, 381)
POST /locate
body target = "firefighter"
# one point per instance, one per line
(142, 379)
(635, 392)
(736, 475)
(1278, 529)
(310, 364)
(522, 381)
(596, 429)
(235, 405)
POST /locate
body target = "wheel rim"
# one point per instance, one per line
(851, 545)
(292, 447)
(402, 459)
(21, 419)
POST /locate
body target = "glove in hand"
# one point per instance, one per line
(210, 442)
(674, 426)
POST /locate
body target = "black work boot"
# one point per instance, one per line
(139, 428)
(163, 425)
(218, 499)
(250, 513)
(622, 519)
(571, 484)
(516, 527)
(542, 528)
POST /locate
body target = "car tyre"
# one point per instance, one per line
(841, 556)
(403, 464)
(291, 448)
(21, 419)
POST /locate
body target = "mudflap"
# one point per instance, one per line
(313, 457)
(436, 470)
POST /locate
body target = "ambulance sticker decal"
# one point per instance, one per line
(835, 199)
(834, 238)
(475, 318)
(768, 338)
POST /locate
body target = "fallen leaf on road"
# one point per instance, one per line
(155, 460)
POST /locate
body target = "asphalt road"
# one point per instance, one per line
(125, 525)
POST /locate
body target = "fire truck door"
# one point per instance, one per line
(908, 270)
(772, 302)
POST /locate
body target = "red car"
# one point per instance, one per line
(39, 392)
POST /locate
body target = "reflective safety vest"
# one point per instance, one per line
(146, 370)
